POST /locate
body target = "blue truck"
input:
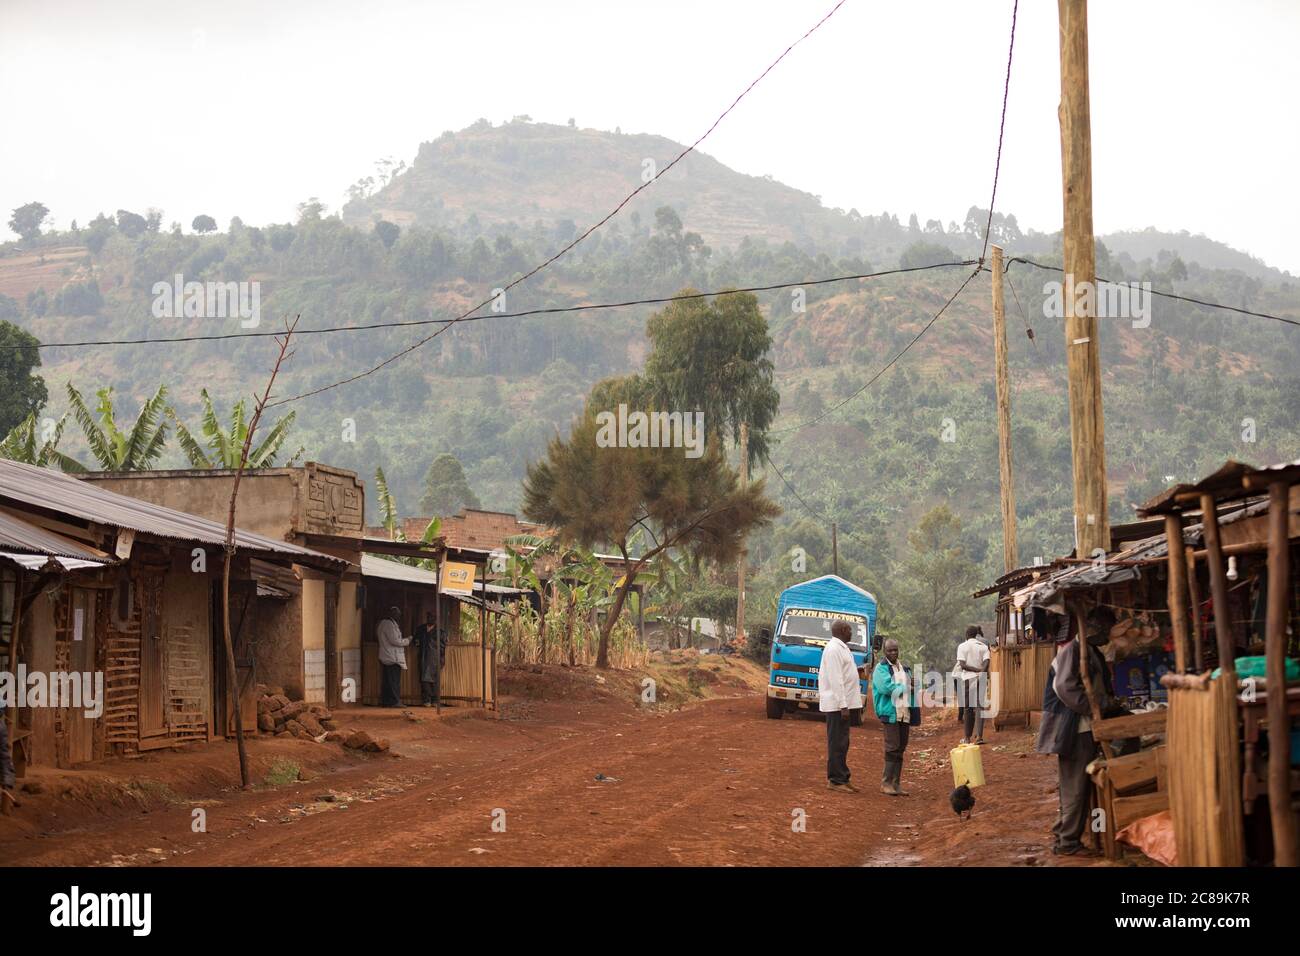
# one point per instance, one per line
(804, 616)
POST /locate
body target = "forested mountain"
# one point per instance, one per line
(479, 207)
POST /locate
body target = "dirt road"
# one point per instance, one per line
(590, 783)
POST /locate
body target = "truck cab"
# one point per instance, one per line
(804, 615)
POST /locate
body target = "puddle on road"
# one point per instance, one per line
(892, 856)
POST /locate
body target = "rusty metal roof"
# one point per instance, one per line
(24, 537)
(1234, 479)
(55, 491)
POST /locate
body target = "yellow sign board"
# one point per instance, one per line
(458, 578)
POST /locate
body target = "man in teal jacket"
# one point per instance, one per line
(895, 702)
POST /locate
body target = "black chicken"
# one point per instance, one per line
(962, 800)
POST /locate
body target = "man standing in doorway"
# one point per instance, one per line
(392, 658)
(896, 706)
(430, 643)
(838, 696)
(972, 677)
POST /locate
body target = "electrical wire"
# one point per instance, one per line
(1164, 295)
(612, 213)
(551, 310)
(1002, 125)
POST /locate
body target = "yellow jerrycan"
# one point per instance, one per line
(967, 767)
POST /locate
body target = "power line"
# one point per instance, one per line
(803, 501)
(612, 213)
(550, 310)
(1002, 125)
(890, 364)
(1164, 295)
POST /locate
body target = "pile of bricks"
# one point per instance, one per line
(279, 716)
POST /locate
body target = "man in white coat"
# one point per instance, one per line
(392, 658)
(840, 695)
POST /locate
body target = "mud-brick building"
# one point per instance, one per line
(127, 594)
(309, 639)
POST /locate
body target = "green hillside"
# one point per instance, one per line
(480, 207)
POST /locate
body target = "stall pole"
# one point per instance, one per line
(482, 639)
(1218, 589)
(1177, 588)
(437, 633)
(1279, 723)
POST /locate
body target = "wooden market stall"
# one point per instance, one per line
(1232, 747)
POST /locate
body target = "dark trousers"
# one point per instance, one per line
(390, 692)
(972, 716)
(428, 691)
(1072, 779)
(896, 735)
(837, 747)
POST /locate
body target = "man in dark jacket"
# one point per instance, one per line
(431, 644)
(1066, 729)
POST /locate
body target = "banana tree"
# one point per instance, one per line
(23, 444)
(392, 524)
(225, 444)
(115, 449)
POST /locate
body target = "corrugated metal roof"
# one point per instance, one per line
(376, 567)
(1231, 479)
(53, 490)
(23, 536)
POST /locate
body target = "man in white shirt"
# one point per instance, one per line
(972, 677)
(839, 695)
(392, 658)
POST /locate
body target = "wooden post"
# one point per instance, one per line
(437, 630)
(1194, 595)
(1177, 563)
(1275, 638)
(482, 637)
(835, 548)
(1218, 589)
(1087, 427)
(1010, 553)
(744, 552)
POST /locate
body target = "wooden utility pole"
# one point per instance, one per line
(744, 552)
(1010, 553)
(1087, 429)
(835, 548)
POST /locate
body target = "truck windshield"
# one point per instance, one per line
(804, 627)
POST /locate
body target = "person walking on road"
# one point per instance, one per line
(972, 677)
(839, 696)
(894, 699)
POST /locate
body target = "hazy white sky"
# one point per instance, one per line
(230, 107)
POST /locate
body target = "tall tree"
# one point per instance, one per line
(21, 391)
(711, 355)
(446, 490)
(594, 494)
(115, 449)
(226, 442)
(27, 219)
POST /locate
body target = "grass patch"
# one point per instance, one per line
(282, 771)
